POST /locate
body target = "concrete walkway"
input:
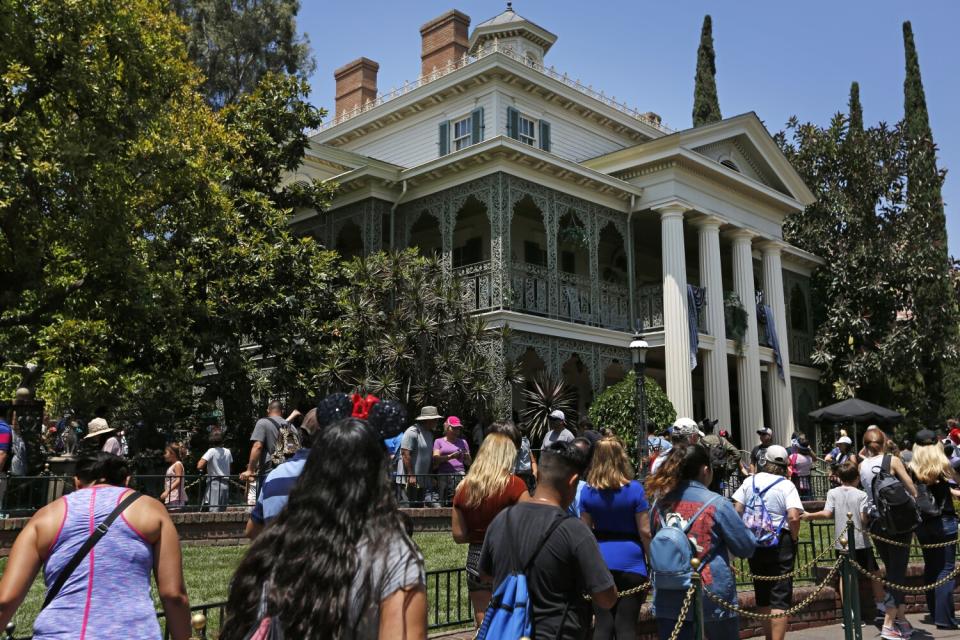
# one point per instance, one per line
(921, 632)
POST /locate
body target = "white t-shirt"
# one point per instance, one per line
(218, 460)
(777, 499)
(658, 462)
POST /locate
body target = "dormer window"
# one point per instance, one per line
(462, 133)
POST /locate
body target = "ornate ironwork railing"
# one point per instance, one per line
(801, 348)
(574, 303)
(650, 306)
(476, 282)
(614, 306)
(483, 52)
(531, 288)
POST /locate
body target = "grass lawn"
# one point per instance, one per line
(207, 571)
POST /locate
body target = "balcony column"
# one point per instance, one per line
(715, 377)
(676, 333)
(778, 391)
(748, 365)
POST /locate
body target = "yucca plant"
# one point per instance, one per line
(547, 395)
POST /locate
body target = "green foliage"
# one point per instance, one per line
(402, 331)
(706, 104)
(925, 270)
(855, 109)
(616, 408)
(884, 300)
(144, 237)
(545, 396)
(235, 43)
(735, 319)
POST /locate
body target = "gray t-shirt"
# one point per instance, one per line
(419, 442)
(842, 500)
(399, 566)
(552, 436)
(267, 431)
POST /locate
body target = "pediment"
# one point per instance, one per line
(739, 154)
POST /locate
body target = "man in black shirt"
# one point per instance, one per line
(760, 451)
(568, 564)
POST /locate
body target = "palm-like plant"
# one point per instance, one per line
(545, 396)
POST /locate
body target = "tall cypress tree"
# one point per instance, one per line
(922, 227)
(855, 109)
(706, 105)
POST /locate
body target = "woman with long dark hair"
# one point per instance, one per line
(681, 499)
(336, 563)
(107, 595)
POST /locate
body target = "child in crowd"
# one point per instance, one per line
(849, 498)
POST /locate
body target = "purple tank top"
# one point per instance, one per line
(108, 595)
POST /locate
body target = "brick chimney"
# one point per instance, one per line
(356, 84)
(444, 39)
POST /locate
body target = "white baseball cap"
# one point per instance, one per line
(844, 440)
(776, 454)
(556, 414)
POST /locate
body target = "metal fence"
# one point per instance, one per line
(25, 494)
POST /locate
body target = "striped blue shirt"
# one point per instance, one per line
(277, 487)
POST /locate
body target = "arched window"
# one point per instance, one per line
(798, 309)
(730, 164)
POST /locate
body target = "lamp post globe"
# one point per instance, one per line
(638, 352)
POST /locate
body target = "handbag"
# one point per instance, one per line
(91, 542)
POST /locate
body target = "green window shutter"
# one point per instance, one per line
(545, 135)
(476, 126)
(444, 138)
(513, 123)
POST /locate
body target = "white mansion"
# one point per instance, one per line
(570, 217)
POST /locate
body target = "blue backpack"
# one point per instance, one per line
(757, 518)
(510, 614)
(671, 550)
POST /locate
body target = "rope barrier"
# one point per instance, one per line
(629, 592)
(789, 612)
(937, 545)
(903, 588)
(684, 608)
(799, 570)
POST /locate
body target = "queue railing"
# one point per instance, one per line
(24, 495)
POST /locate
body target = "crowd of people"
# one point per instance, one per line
(335, 558)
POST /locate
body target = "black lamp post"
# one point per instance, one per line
(638, 351)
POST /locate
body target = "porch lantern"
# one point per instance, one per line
(638, 351)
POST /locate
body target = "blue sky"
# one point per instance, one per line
(776, 58)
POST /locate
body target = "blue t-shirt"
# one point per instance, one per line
(277, 486)
(574, 508)
(614, 513)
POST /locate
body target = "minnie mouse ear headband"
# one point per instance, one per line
(362, 405)
(389, 417)
(335, 406)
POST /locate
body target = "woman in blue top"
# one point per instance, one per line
(679, 490)
(614, 506)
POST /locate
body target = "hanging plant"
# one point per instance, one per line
(574, 234)
(735, 319)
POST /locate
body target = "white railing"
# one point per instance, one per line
(482, 52)
(476, 285)
(650, 305)
(530, 284)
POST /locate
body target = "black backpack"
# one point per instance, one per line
(896, 509)
(926, 502)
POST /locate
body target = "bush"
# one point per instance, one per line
(616, 409)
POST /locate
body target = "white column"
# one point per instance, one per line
(676, 332)
(748, 365)
(715, 378)
(778, 391)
